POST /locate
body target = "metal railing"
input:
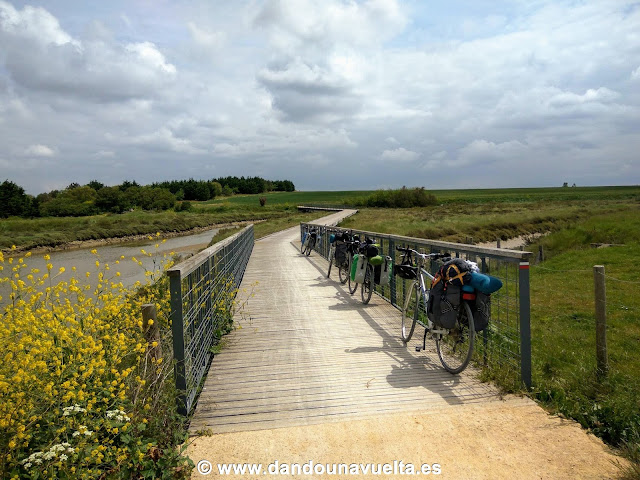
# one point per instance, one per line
(202, 291)
(504, 348)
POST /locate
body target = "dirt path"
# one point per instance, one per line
(513, 439)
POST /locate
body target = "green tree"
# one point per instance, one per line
(95, 184)
(13, 200)
(73, 202)
(111, 199)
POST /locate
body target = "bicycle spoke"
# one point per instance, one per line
(456, 347)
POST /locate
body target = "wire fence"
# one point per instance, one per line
(504, 348)
(202, 292)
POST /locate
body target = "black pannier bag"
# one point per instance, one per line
(342, 253)
(482, 312)
(445, 300)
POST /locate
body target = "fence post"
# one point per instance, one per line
(540, 253)
(525, 324)
(601, 321)
(177, 330)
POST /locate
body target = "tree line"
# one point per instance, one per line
(95, 198)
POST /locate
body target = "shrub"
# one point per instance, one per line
(184, 206)
(402, 198)
(81, 383)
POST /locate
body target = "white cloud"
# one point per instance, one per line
(39, 151)
(258, 86)
(41, 56)
(399, 155)
(206, 38)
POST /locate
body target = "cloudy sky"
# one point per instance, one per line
(330, 94)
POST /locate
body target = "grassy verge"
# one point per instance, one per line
(563, 339)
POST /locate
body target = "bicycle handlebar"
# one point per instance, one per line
(424, 255)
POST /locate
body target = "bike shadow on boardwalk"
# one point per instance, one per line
(409, 369)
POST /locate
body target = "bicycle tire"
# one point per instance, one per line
(343, 273)
(455, 348)
(330, 261)
(410, 312)
(310, 246)
(353, 286)
(366, 289)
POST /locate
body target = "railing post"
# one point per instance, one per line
(392, 283)
(177, 329)
(525, 324)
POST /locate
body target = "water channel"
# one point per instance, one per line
(130, 271)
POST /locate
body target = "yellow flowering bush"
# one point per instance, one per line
(81, 382)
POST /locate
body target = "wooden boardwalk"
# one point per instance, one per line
(307, 352)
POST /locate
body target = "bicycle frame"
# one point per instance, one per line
(425, 292)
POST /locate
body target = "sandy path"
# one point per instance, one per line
(514, 439)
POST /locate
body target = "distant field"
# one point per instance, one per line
(293, 198)
(477, 196)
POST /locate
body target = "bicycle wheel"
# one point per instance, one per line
(410, 311)
(343, 274)
(331, 250)
(353, 286)
(456, 347)
(367, 285)
(310, 246)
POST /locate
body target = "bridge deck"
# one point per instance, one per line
(308, 352)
